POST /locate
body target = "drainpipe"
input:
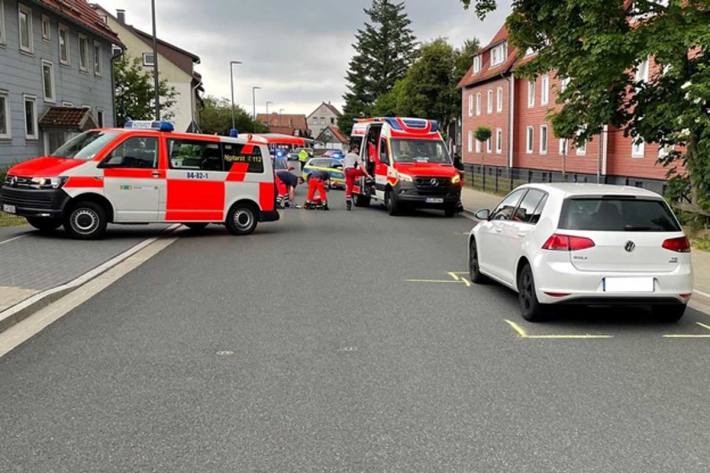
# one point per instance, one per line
(511, 118)
(116, 54)
(602, 155)
(193, 100)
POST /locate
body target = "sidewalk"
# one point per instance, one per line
(474, 200)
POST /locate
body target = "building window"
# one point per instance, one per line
(4, 116)
(499, 140)
(477, 64)
(531, 94)
(499, 53)
(478, 103)
(3, 36)
(63, 44)
(31, 132)
(97, 59)
(478, 146)
(46, 28)
(529, 137)
(470, 141)
(489, 105)
(332, 121)
(83, 53)
(582, 150)
(104, 18)
(499, 101)
(642, 71)
(543, 139)
(100, 118)
(545, 92)
(148, 59)
(489, 145)
(470, 105)
(564, 83)
(48, 81)
(563, 147)
(638, 148)
(25, 28)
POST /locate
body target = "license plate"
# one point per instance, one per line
(435, 200)
(628, 285)
(11, 209)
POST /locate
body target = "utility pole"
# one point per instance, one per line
(231, 80)
(253, 100)
(156, 77)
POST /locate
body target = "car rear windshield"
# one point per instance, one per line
(86, 145)
(617, 214)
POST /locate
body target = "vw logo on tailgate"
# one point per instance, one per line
(630, 246)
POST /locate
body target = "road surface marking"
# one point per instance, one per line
(13, 239)
(435, 281)
(454, 275)
(523, 334)
(707, 335)
(467, 282)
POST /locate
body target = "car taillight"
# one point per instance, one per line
(567, 243)
(679, 245)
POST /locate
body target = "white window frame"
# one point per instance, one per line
(562, 149)
(544, 137)
(489, 145)
(28, 12)
(564, 83)
(642, 70)
(53, 98)
(470, 105)
(489, 104)
(478, 146)
(545, 92)
(477, 63)
(499, 141)
(582, 150)
(67, 104)
(8, 134)
(25, 100)
(146, 63)
(529, 140)
(478, 103)
(531, 94)
(3, 32)
(499, 99)
(664, 151)
(46, 21)
(499, 53)
(98, 65)
(84, 62)
(638, 148)
(63, 29)
(470, 141)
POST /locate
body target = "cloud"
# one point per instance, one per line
(297, 52)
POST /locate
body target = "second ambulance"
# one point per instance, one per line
(410, 163)
(143, 174)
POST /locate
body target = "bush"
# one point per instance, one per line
(3, 173)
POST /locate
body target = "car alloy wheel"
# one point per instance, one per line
(530, 307)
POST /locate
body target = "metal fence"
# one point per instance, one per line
(501, 180)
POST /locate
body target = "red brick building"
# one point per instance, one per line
(523, 141)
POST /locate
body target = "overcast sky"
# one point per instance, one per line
(297, 51)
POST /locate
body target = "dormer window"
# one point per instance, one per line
(477, 64)
(499, 53)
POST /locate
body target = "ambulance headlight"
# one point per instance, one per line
(405, 177)
(47, 182)
(456, 179)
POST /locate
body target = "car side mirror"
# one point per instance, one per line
(483, 214)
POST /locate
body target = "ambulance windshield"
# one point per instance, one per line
(420, 151)
(86, 145)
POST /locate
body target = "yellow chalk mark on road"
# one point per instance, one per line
(455, 276)
(466, 282)
(455, 279)
(435, 281)
(706, 335)
(523, 334)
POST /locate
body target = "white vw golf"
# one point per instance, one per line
(584, 244)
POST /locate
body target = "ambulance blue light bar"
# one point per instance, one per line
(159, 125)
(414, 123)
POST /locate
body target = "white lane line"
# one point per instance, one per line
(13, 239)
(704, 294)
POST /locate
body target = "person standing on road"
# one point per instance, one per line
(303, 157)
(354, 168)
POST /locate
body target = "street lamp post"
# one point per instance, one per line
(156, 78)
(253, 100)
(231, 80)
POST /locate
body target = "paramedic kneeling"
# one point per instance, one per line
(354, 168)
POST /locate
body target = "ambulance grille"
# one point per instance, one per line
(34, 200)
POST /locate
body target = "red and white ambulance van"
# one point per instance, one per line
(145, 173)
(410, 163)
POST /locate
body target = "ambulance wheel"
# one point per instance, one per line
(86, 221)
(196, 227)
(361, 200)
(242, 219)
(391, 204)
(44, 225)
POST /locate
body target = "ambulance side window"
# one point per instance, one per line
(384, 152)
(194, 155)
(237, 153)
(137, 152)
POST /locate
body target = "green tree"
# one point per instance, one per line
(483, 134)
(598, 45)
(134, 92)
(216, 117)
(384, 50)
(390, 103)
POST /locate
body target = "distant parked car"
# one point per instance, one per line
(333, 166)
(333, 154)
(584, 244)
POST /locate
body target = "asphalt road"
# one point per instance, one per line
(306, 347)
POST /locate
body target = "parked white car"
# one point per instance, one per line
(585, 244)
